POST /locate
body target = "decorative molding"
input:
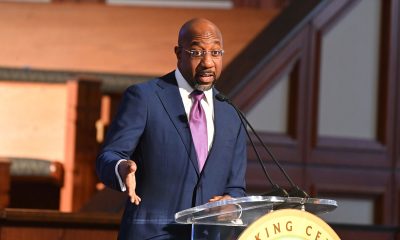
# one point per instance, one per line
(110, 82)
(216, 4)
(355, 182)
(322, 163)
(359, 152)
(270, 41)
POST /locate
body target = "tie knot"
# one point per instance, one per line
(197, 95)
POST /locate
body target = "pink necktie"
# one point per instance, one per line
(198, 128)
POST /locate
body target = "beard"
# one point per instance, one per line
(203, 88)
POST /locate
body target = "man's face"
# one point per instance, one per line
(201, 69)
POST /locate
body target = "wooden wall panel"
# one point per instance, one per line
(352, 182)
(29, 233)
(347, 232)
(290, 61)
(33, 117)
(49, 225)
(257, 183)
(84, 99)
(263, 4)
(111, 39)
(339, 166)
(335, 150)
(355, 156)
(4, 183)
(393, 10)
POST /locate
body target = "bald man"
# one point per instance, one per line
(172, 144)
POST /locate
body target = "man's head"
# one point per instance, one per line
(199, 53)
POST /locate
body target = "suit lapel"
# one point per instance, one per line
(170, 98)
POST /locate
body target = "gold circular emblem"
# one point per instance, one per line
(289, 224)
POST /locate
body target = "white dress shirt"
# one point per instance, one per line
(207, 103)
(208, 106)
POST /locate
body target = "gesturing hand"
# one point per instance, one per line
(127, 171)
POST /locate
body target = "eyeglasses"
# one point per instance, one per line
(202, 53)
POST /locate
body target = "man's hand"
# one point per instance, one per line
(127, 171)
(218, 198)
(226, 213)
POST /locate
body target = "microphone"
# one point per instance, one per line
(295, 191)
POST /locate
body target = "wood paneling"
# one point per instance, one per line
(47, 233)
(43, 225)
(46, 186)
(324, 149)
(341, 166)
(356, 154)
(84, 97)
(4, 183)
(33, 117)
(290, 61)
(257, 54)
(113, 39)
(349, 232)
(353, 182)
(395, 15)
(263, 4)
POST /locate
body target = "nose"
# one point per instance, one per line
(207, 60)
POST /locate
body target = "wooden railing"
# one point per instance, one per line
(52, 225)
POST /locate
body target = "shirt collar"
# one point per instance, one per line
(185, 88)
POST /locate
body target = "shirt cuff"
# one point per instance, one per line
(121, 183)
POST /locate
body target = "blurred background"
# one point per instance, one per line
(318, 79)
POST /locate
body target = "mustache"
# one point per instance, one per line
(206, 72)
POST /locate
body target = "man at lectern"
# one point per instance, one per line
(172, 144)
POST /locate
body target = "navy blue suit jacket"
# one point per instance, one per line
(152, 129)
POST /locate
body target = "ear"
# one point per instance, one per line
(178, 52)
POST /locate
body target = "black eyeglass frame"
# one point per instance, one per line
(201, 53)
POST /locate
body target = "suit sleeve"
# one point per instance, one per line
(123, 135)
(236, 186)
